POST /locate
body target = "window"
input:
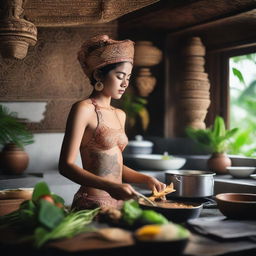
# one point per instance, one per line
(242, 108)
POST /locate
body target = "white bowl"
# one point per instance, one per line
(241, 171)
(156, 162)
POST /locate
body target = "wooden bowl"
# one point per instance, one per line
(237, 205)
(9, 205)
(19, 193)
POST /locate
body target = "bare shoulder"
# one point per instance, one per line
(120, 112)
(84, 106)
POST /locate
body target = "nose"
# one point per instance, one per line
(124, 83)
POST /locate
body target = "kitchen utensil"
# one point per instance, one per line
(139, 195)
(139, 146)
(191, 183)
(155, 161)
(240, 171)
(178, 215)
(237, 205)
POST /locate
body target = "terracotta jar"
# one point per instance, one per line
(218, 163)
(14, 160)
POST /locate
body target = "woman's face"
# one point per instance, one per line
(117, 80)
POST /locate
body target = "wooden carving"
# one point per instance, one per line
(194, 90)
(47, 13)
(16, 33)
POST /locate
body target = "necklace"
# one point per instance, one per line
(107, 108)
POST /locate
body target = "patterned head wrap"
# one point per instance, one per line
(100, 51)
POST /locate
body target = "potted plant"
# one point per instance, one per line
(13, 137)
(135, 107)
(216, 140)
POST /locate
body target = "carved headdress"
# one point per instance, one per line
(100, 51)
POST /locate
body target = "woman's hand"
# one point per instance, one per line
(155, 183)
(121, 191)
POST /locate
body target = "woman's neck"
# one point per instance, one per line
(101, 100)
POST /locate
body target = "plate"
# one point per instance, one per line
(240, 171)
(253, 176)
(155, 161)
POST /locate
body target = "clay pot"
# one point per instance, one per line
(146, 55)
(218, 162)
(14, 160)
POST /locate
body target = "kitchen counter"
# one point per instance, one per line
(198, 245)
(66, 188)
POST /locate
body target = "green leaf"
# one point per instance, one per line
(49, 214)
(12, 130)
(218, 127)
(57, 199)
(131, 211)
(152, 217)
(40, 189)
(238, 74)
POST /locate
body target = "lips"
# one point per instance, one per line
(121, 91)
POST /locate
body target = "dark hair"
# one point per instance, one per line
(105, 70)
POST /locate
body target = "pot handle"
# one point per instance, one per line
(178, 178)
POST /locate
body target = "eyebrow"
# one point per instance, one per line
(122, 73)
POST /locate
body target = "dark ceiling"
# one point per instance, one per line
(174, 15)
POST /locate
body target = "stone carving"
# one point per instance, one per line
(47, 13)
(194, 89)
(146, 55)
(16, 33)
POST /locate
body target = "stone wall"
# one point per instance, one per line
(51, 73)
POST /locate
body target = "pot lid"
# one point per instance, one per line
(139, 142)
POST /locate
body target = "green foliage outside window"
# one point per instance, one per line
(243, 104)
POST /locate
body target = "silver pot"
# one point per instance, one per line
(191, 183)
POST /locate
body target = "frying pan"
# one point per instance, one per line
(177, 215)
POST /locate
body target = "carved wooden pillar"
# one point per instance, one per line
(194, 90)
(16, 33)
(146, 55)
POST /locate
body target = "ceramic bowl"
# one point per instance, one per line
(240, 171)
(168, 242)
(237, 205)
(156, 162)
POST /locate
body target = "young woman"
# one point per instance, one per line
(97, 129)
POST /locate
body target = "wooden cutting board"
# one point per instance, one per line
(90, 241)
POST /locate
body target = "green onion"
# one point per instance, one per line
(73, 224)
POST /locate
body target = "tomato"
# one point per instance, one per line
(60, 205)
(47, 198)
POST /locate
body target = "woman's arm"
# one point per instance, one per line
(132, 176)
(77, 122)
